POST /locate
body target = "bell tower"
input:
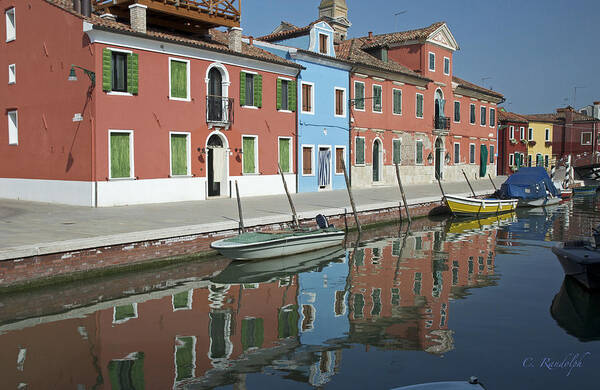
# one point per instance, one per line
(335, 12)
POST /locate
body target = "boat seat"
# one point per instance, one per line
(322, 222)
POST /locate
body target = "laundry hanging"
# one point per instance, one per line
(324, 167)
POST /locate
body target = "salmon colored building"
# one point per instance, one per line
(128, 106)
(512, 138)
(408, 107)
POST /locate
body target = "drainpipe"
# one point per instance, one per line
(350, 126)
(298, 150)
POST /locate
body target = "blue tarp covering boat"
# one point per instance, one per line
(528, 184)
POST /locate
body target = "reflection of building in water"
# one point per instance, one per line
(152, 340)
(401, 288)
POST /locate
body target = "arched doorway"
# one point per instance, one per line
(217, 165)
(215, 93)
(376, 160)
(439, 155)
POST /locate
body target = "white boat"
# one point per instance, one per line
(267, 245)
(539, 202)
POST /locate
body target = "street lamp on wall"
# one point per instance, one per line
(429, 158)
(89, 73)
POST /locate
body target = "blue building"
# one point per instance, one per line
(322, 99)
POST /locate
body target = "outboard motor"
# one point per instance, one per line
(322, 222)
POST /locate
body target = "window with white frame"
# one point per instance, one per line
(180, 154)
(471, 153)
(359, 155)
(250, 154)
(491, 154)
(11, 26)
(359, 95)
(323, 43)
(446, 65)
(397, 101)
(308, 153)
(182, 300)
(285, 154)
(121, 154)
(340, 155)
(419, 105)
(456, 153)
(432, 61)
(472, 118)
(12, 74)
(307, 98)
(377, 103)
(340, 102)
(511, 159)
(512, 132)
(179, 79)
(457, 111)
(492, 117)
(521, 132)
(546, 160)
(124, 313)
(13, 128)
(547, 135)
(419, 151)
(530, 134)
(586, 138)
(250, 89)
(483, 116)
(397, 151)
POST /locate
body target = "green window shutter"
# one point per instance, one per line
(179, 154)
(258, 90)
(279, 94)
(359, 96)
(248, 153)
(287, 325)
(284, 155)
(419, 152)
(127, 374)
(397, 101)
(132, 74)
(124, 312)
(179, 79)
(292, 96)
(184, 357)
(242, 88)
(180, 300)
(397, 144)
(106, 70)
(119, 155)
(419, 106)
(360, 150)
(253, 332)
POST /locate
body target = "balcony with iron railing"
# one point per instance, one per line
(219, 111)
(441, 123)
(183, 15)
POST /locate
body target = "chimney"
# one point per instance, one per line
(137, 17)
(596, 110)
(235, 39)
(108, 16)
(370, 34)
(77, 6)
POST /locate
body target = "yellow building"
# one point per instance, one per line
(539, 144)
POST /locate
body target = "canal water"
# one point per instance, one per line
(445, 300)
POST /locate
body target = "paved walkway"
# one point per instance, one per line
(31, 228)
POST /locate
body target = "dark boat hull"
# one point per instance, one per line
(576, 265)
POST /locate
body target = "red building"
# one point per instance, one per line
(157, 114)
(408, 107)
(512, 151)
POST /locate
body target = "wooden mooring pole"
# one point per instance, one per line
(351, 198)
(402, 192)
(294, 215)
(239, 202)
(494, 184)
(468, 182)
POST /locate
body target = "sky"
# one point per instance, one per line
(534, 52)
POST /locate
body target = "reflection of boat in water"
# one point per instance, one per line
(471, 384)
(479, 224)
(588, 190)
(581, 260)
(261, 271)
(577, 310)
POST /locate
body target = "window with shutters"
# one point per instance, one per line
(522, 132)
(472, 116)
(179, 81)
(251, 89)
(397, 151)
(323, 43)
(127, 373)
(456, 153)
(119, 72)
(432, 61)
(13, 128)
(377, 101)
(491, 154)
(419, 105)
(359, 95)
(419, 152)
(11, 26)
(307, 160)
(359, 155)
(492, 117)
(511, 159)
(182, 300)
(124, 313)
(253, 333)
(286, 99)
(530, 134)
(285, 154)
(471, 153)
(250, 154)
(340, 155)
(483, 116)
(340, 102)
(397, 101)
(511, 132)
(120, 154)
(307, 98)
(586, 138)
(180, 154)
(185, 357)
(456, 111)
(446, 65)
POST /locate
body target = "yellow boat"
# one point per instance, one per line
(462, 206)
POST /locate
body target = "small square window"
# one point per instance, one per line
(12, 74)
(11, 26)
